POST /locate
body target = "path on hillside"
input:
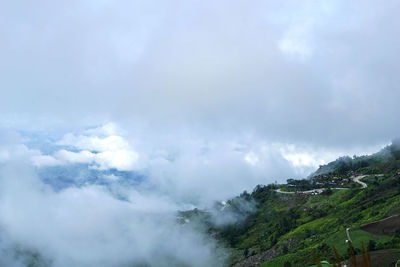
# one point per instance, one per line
(384, 219)
(357, 180)
(348, 235)
(371, 223)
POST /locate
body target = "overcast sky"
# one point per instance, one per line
(308, 80)
(321, 72)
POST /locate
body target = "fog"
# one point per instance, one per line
(67, 199)
(89, 227)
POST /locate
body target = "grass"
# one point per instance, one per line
(357, 236)
(312, 224)
(371, 179)
(316, 226)
(323, 264)
(278, 261)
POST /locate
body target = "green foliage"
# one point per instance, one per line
(357, 236)
(297, 226)
(385, 161)
(279, 261)
(299, 185)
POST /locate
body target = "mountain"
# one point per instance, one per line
(384, 161)
(289, 226)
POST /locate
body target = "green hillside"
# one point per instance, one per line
(287, 229)
(385, 161)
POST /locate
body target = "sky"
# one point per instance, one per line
(204, 99)
(298, 72)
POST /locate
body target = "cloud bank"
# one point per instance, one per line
(88, 227)
(106, 220)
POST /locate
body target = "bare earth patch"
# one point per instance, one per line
(387, 226)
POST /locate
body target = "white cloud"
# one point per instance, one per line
(74, 157)
(251, 158)
(111, 177)
(45, 160)
(107, 129)
(180, 173)
(4, 155)
(88, 227)
(124, 160)
(94, 143)
(226, 73)
(12, 151)
(100, 147)
(296, 41)
(302, 157)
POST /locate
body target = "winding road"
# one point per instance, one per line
(283, 192)
(356, 179)
(318, 190)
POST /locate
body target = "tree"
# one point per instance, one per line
(246, 252)
(372, 244)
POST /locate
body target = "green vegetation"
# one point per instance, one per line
(292, 229)
(357, 236)
(385, 161)
(279, 261)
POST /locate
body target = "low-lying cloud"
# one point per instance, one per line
(107, 220)
(88, 227)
